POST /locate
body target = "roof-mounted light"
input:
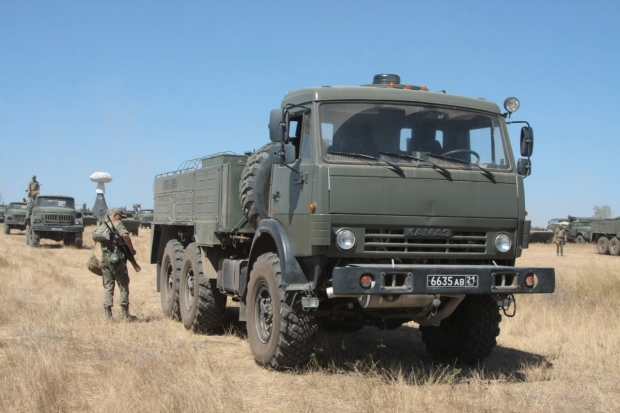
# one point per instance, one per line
(512, 104)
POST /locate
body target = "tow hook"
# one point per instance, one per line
(505, 302)
(431, 309)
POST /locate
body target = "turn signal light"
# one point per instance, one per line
(424, 88)
(366, 281)
(312, 207)
(530, 280)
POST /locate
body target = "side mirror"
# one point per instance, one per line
(279, 154)
(527, 141)
(524, 167)
(78, 215)
(277, 126)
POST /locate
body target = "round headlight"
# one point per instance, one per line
(345, 239)
(512, 104)
(503, 242)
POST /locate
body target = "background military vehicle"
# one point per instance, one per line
(579, 229)
(145, 217)
(54, 217)
(606, 234)
(538, 234)
(554, 223)
(374, 205)
(88, 218)
(2, 207)
(15, 216)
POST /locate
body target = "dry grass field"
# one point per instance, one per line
(561, 353)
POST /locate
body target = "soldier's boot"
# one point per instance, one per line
(108, 313)
(126, 315)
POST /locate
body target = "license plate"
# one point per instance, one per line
(56, 229)
(452, 281)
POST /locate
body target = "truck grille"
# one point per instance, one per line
(58, 219)
(391, 241)
(19, 217)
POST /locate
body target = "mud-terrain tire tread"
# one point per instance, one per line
(602, 245)
(294, 330)
(468, 335)
(614, 246)
(254, 186)
(33, 239)
(579, 239)
(174, 252)
(209, 307)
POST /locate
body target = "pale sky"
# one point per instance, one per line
(134, 88)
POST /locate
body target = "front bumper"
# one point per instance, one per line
(414, 279)
(59, 228)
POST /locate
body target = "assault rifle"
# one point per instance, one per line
(120, 243)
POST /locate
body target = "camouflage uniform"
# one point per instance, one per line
(114, 271)
(560, 236)
(33, 191)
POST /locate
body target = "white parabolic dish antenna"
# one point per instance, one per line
(101, 178)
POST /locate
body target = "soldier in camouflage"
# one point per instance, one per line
(560, 238)
(114, 266)
(32, 190)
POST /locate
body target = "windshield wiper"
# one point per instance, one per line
(484, 171)
(362, 156)
(439, 169)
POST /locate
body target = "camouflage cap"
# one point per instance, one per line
(117, 211)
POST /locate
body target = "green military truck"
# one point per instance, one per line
(580, 228)
(15, 216)
(54, 217)
(145, 217)
(374, 205)
(2, 208)
(606, 234)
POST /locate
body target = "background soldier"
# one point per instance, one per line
(560, 237)
(114, 266)
(33, 191)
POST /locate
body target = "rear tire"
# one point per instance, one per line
(169, 279)
(614, 246)
(468, 335)
(201, 304)
(580, 239)
(281, 334)
(602, 245)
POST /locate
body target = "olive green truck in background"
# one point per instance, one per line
(54, 217)
(15, 216)
(606, 234)
(375, 205)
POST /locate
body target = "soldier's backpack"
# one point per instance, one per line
(101, 234)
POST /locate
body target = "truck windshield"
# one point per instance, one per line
(55, 202)
(17, 206)
(370, 128)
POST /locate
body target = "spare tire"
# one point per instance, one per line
(254, 186)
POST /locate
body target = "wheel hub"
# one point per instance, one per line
(264, 314)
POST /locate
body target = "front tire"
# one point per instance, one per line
(169, 279)
(7, 229)
(32, 238)
(201, 304)
(602, 245)
(468, 335)
(281, 334)
(580, 239)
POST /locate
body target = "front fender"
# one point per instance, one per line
(270, 236)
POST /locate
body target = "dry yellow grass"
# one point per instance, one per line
(561, 353)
